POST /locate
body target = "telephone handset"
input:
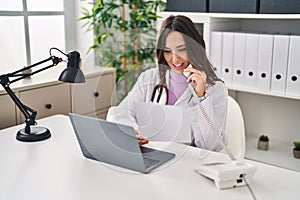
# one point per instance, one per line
(227, 174)
(187, 74)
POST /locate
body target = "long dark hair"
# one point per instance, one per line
(194, 43)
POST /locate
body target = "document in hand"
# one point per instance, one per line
(163, 123)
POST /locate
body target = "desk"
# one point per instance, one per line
(55, 169)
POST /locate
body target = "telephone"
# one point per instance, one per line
(227, 174)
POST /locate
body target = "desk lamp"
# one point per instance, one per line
(72, 74)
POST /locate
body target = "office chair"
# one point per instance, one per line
(235, 129)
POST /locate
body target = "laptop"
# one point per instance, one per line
(163, 122)
(115, 144)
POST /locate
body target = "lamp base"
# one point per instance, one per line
(36, 134)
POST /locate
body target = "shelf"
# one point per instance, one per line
(254, 91)
(279, 154)
(233, 15)
(254, 16)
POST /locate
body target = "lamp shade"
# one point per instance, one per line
(73, 73)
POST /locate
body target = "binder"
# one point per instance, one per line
(238, 59)
(265, 53)
(293, 73)
(227, 57)
(251, 60)
(279, 64)
(216, 51)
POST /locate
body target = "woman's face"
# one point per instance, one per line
(175, 52)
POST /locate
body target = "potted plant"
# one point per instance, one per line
(296, 150)
(263, 142)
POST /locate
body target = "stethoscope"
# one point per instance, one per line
(160, 94)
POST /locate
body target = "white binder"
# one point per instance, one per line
(238, 59)
(227, 57)
(265, 53)
(216, 51)
(293, 74)
(251, 60)
(279, 65)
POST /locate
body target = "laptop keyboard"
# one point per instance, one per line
(145, 150)
(149, 161)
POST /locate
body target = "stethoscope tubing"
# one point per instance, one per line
(160, 89)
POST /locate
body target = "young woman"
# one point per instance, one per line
(181, 57)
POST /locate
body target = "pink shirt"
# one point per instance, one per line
(177, 85)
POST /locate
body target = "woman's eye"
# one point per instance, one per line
(167, 51)
(182, 49)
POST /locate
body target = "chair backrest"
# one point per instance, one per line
(235, 129)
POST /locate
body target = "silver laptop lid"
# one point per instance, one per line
(111, 143)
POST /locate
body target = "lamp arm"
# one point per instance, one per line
(28, 112)
(54, 59)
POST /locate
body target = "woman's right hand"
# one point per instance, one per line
(141, 140)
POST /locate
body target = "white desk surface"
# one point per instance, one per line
(55, 169)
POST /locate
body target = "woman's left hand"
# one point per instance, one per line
(141, 140)
(199, 80)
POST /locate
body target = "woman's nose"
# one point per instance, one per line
(175, 56)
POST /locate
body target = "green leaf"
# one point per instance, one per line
(97, 5)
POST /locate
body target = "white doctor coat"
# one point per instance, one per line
(215, 106)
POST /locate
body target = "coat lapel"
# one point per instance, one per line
(185, 97)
